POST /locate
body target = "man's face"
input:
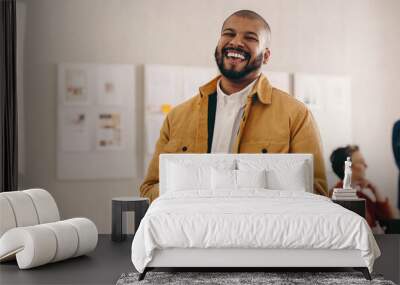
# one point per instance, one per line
(359, 166)
(241, 49)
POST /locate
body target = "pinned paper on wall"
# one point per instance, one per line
(109, 133)
(323, 92)
(338, 94)
(74, 130)
(96, 125)
(109, 86)
(75, 89)
(309, 89)
(161, 87)
(194, 77)
(280, 80)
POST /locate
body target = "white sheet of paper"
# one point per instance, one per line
(74, 83)
(109, 135)
(109, 85)
(280, 80)
(195, 77)
(74, 130)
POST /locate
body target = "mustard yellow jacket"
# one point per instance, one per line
(272, 122)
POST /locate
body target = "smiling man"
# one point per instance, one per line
(239, 111)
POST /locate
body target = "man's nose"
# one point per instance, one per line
(236, 41)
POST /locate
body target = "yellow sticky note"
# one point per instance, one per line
(165, 108)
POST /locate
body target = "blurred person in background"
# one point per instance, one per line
(378, 207)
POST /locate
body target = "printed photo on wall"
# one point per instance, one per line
(109, 131)
(310, 97)
(74, 131)
(76, 86)
(109, 89)
(338, 93)
(308, 89)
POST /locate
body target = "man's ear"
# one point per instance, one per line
(267, 55)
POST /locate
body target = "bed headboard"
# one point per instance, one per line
(212, 159)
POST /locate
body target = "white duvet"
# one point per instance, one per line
(252, 218)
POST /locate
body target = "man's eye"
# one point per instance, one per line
(228, 34)
(251, 39)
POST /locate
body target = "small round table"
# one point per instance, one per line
(120, 205)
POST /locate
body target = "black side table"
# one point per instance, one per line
(356, 205)
(125, 204)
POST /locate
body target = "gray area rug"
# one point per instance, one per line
(229, 278)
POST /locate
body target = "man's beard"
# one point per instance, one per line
(233, 74)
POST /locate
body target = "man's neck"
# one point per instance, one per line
(230, 86)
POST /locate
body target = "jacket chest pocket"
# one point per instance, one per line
(178, 146)
(263, 147)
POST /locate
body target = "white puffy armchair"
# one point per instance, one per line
(31, 230)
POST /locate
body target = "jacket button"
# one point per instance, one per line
(184, 148)
(264, 150)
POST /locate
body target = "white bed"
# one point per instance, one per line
(203, 220)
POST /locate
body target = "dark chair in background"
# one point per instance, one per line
(396, 152)
(393, 226)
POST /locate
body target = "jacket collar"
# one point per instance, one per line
(262, 89)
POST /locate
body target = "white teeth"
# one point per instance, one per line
(236, 55)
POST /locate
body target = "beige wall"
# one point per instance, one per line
(356, 38)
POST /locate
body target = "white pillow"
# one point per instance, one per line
(192, 173)
(223, 179)
(292, 179)
(237, 179)
(280, 174)
(182, 177)
(251, 178)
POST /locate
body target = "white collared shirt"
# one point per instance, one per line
(227, 118)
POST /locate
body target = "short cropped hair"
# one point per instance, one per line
(254, 16)
(339, 156)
